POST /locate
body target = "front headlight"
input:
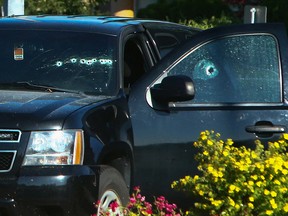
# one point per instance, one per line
(55, 148)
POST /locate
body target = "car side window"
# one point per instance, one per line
(169, 36)
(135, 65)
(238, 69)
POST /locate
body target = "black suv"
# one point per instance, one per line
(92, 106)
(66, 138)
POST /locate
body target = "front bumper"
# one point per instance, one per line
(53, 190)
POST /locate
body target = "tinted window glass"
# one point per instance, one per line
(169, 36)
(239, 69)
(69, 60)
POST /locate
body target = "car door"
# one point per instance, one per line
(240, 79)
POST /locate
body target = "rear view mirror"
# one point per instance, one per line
(173, 89)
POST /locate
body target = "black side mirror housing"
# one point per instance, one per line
(173, 89)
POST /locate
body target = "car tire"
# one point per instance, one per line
(112, 187)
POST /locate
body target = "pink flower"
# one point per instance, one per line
(139, 205)
(114, 206)
(161, 198)
(139, 196)
(136, 189)
(149, 211)
(132, 200)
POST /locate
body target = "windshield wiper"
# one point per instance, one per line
(33, 86)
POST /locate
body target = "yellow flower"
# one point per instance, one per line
(250, 205)
(253, 155)
(173, 185)
(276, 145)
(285, 136)
(203, 136)
(220, 174)
(237, 189)
(266, 168)
(248, 161)
(232, 187)
(184, 181)
(237, 206)
(266, 192)
(255, 177)
(271, 177)
(231, 201)
(229, 142)
(273, 204)
(285, 164)
(284, 171)
(259, 183)
(209, 142)
(201, 192)
(187, 178)
(210, 169)
(285, 208)
(283, 190)
(225, 153)
(216, 202)
(273, 194)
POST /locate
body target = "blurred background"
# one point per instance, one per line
(202, 14)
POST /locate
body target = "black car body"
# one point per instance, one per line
(65, 122)
(86, 117)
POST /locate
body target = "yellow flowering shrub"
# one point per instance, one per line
(238, 180)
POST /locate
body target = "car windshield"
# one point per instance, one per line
(60, 60)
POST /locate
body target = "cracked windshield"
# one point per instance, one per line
(58, 61)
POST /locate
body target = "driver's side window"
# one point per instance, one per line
(238, 69)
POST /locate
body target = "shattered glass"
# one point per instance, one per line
(238, 69)
(78, 61)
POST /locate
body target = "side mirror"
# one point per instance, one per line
(173, 89)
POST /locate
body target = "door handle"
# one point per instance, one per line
(263, 127)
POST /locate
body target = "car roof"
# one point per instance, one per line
(103, 24)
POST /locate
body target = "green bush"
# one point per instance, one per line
(233, 181)
(69, 7)
(199, 14)
(238, 181)
(184, 10)
(208, 23)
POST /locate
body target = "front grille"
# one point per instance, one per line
(6, 160)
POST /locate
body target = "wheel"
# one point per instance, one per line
(112, 187)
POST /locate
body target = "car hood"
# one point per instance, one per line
(38, 110)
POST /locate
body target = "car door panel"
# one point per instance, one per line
(250, 105)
